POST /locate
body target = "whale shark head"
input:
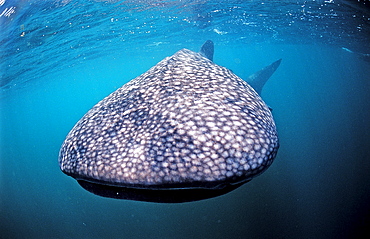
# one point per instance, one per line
(185, 130)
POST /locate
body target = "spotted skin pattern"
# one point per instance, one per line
(185, 123)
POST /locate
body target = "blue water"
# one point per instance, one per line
(59, 58)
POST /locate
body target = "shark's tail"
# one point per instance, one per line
(258, 79)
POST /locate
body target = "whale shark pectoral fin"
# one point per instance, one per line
(258, 79)
(207, 49)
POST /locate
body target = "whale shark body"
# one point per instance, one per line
(185, 130)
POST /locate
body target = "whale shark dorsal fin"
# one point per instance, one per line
(258, 79)
(207, 49)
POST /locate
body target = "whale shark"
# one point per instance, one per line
(185, 130)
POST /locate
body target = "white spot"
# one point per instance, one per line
(225, 154)
(229, 174)
(226, 128)
(228, 137)
(246, 167)
(250, 141)
(202, 138)
(210, 124)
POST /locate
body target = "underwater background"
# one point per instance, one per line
(59, 58)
